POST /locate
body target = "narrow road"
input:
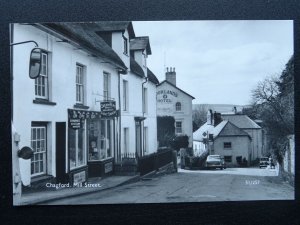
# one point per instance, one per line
(191, 186)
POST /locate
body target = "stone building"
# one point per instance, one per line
(173, 101)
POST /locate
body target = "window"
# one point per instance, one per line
(106, 86)
(79, 84)
(125, 45)
(145, 139)
(227, 145)
(39, 146)
(145, 100)
(178, 106)
(77, 147)
(125, 95)
(126, 140)
(41, 82)
(228, 158)
(178, 127)
(105, 139)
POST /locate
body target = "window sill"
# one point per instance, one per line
(40, 178)
(80, 106)
(43, 101)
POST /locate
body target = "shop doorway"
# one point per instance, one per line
(60, 152)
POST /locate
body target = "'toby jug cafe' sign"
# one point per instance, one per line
(165, 96)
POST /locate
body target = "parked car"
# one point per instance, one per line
(215, 161)
(263, 162)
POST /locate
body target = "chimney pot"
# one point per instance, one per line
(167, 69)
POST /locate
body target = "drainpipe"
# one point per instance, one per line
(142, 132)
(120, 72)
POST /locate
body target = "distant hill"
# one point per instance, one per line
(221, 108)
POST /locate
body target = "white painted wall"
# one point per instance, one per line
(199, 148)
(168, 108)
(118, 46)
(62, 85)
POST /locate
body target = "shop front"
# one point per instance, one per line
(91, 143)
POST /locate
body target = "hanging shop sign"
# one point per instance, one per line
(77, 117)
(108, 109)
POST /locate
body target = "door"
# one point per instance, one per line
(60, 152)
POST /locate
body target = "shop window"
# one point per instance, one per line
(228, 159)
(106, 86)
(77, 147)
(178, 106)
(39, 146)
(42, 81)
(79, 84)
(178, 127)
(227, 145)
(125, 95)
(100, 139)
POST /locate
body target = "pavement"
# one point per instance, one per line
(62, 191)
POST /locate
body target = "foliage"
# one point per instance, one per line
(179, 142)
(165, 130)
(273, 103)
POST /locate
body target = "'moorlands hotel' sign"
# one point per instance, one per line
(163, 96)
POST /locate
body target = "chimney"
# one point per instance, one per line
(209, 117)
(171, 75)
(217, 118)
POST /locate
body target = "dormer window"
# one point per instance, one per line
(125, 45)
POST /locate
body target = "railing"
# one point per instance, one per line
(154, 161)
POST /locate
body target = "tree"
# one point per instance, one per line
(165, 130)
(273, 102)
(199, 116)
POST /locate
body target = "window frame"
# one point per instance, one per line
(76, 147)
(106, 88)
(44, 153)
(176, 127)
(125, 46)
(38, 83)
(145, 100)
(125, 95)
(80, 86)
(226, 157)
(146, 139)
(126, 139)
(227, 145)
(178, 107)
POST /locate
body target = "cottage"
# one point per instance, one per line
(225, 139)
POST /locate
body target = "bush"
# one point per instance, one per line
(180, 142)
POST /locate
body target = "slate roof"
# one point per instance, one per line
(165, 81)
(241, 121)
(141, 43)
(223, 129)
(136, 68)
(152, 77)
(85, 35)
(231, 130)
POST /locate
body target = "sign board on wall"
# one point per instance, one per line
(108, 167)
(108, 109)
(77, 117)
(165, 96)
(79, 177)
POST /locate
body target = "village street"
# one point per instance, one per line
(232, 184)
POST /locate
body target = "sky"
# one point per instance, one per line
(218, 62)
